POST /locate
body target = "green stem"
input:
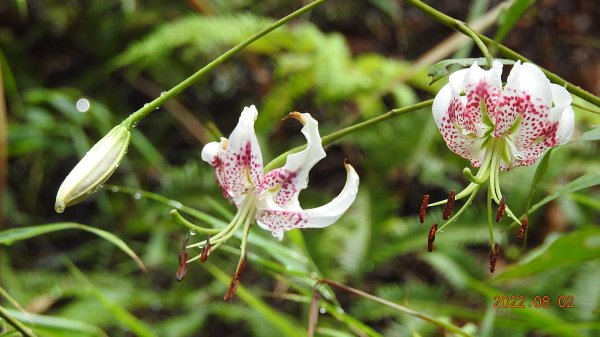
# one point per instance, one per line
(455, 24)
(489, 216)
(585, 108)
(475, 180)
(332, 137)
(451, 22)
(25, 331)
(462, 209)
(209, 219)
(177, 217)
(135, 117)
(482, 175)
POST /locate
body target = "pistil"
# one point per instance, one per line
(244, 215)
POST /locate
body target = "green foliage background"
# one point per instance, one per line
(344, 62)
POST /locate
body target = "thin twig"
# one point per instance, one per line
(396, 306)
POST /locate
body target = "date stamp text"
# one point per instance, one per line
(538, 301)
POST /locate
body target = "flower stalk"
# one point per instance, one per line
(135, 117)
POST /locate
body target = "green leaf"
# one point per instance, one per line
(284, 324)
(585, 181)
(510, 16)
(138, 327)
(573, 248)
(540, 171)
(592, 135)
(539, 320)
(57, 326)
(440, 69)
(9, 236)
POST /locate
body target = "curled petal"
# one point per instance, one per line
(276, 219)
(285, 183)
(562, 113)
(446, 107)
(237, 161)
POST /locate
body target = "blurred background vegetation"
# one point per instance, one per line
(344, 62)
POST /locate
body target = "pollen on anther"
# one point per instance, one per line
(431, 238)
(523, 229)
(183, 257)
(423, 210)
(205, 251)
(494, 253)
(501, 208)
(449, 205)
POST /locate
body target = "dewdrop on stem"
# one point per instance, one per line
(93, 169)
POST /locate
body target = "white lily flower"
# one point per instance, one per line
(498, 128)
(477, 116)
(269, 198)
(272, 197)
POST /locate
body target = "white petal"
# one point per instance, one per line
(562, 112)
(447, 105)
(272, 217)
(290, 179)
(243, 148)
(238, 161)
(441, 104)
(211, 150)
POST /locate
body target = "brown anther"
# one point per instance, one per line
(494, 253)
(501, 208)
(523, 229)
(183, 257)
(295, 115)
(423, 210)
(449, 205)
(205, 251)
(235, 281)
(431, 238)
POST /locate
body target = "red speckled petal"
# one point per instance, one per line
(286, 182)
(479, 86)
(272, 217)
(554, 130)
(526, 96)
(447, 105)
(238, 162)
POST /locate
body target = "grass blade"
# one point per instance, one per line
(9, 236)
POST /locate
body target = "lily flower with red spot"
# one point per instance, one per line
(271, 198)
(499, 127)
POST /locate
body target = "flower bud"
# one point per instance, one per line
(93, 169)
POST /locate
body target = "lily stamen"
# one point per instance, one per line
(449, 205)
(423, 210)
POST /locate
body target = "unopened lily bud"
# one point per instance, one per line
(93, 169)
